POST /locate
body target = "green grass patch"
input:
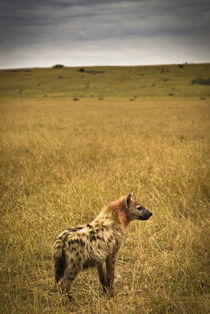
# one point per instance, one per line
(95, 82)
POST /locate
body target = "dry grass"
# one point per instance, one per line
(61, 161)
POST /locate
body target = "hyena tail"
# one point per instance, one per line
(60, 261)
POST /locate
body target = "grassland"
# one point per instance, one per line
(132, 128)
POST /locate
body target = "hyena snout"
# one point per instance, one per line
(144, 214)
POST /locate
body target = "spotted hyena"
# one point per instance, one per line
(96, 243)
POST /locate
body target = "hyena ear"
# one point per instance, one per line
(128, 200)
(133, 194)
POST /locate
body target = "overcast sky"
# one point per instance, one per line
(41, 33)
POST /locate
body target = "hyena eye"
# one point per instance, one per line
(139, 207)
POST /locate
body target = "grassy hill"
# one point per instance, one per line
(132, 128)
(144, 81)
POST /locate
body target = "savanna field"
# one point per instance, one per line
(73, 140)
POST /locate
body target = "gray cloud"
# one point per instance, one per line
(79, 32)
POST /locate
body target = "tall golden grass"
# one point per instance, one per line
(61, 161)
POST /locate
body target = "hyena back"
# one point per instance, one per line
(95, 244)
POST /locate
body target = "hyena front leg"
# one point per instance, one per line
(106, 274)
(102, 273)
(110, 268)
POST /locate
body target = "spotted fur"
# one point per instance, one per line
(95, 244)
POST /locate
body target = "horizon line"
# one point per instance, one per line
(110, 65)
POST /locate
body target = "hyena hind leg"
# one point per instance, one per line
(69, 275)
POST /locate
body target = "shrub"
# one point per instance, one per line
(201, 81)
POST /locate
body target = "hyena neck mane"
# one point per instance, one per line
(115, 213)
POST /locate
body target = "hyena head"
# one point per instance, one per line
(136, 210)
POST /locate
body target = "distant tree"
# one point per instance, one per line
(58, 66)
